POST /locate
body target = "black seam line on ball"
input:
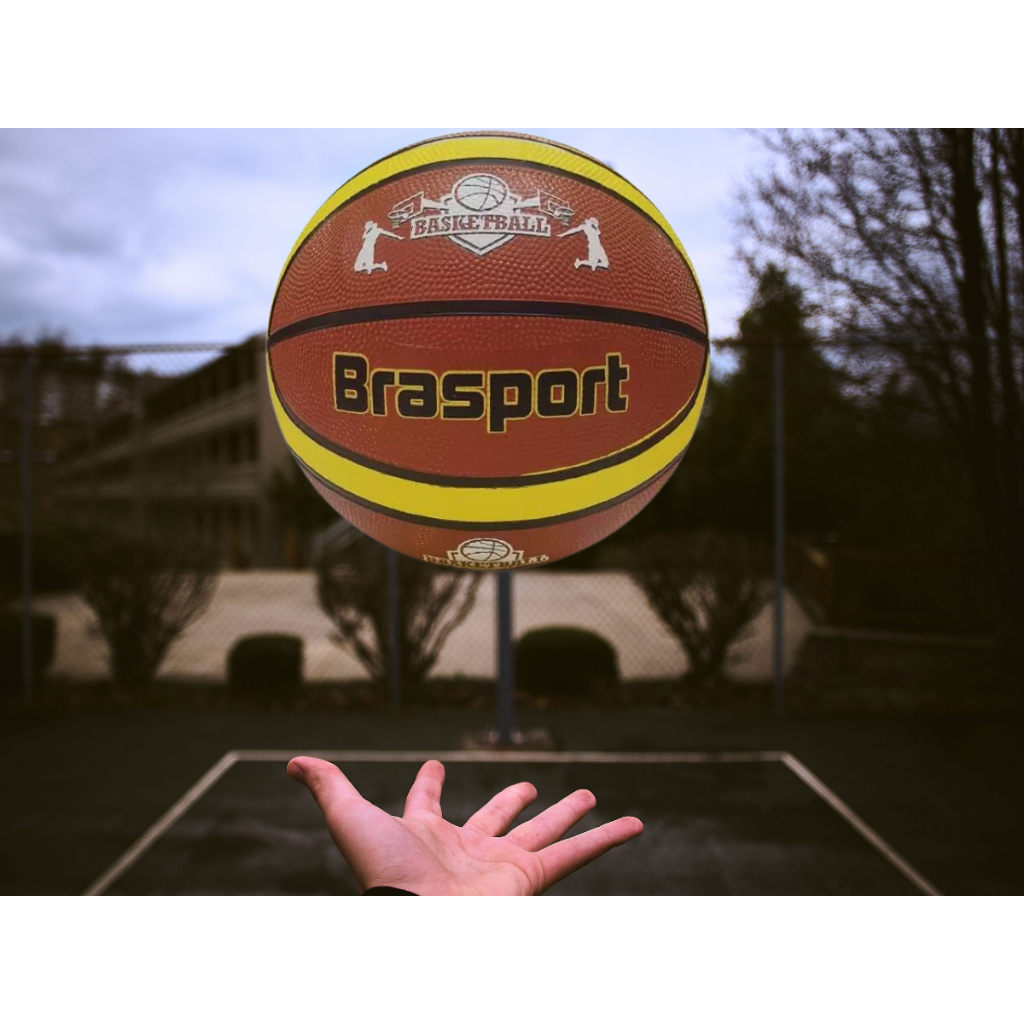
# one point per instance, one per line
(529, 480)
(514, 524)
(487, 307)
(497, 161)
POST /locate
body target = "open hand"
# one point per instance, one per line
(426, 855)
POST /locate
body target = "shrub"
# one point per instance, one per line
(44, 635)
(265, 663)
(564, 661)
(352, 589)
(706, 587)
(144, 592)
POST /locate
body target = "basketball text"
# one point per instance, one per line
(497, 396)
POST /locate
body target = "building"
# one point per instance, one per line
(57, 389)
(193, 456)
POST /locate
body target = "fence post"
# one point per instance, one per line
(506, 666)
(780, 554)
(26, 526)
(394, 631)
(140, 510)
(93, 513)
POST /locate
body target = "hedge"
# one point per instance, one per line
(564, 661)
(266, 662)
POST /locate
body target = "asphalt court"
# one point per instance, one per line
(751, 823)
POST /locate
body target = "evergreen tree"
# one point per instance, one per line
(918, 235)
(725, 481)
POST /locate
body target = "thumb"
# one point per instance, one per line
(354, 823)
(330, 788)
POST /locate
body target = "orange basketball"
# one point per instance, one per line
(488, 350)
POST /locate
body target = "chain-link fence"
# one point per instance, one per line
(888, 539)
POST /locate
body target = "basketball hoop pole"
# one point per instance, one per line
(26, 528)
(780, 559)
(506, 667)
(394, 631)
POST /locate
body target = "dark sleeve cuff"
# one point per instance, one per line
(387, 890)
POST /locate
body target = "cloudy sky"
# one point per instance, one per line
(120, 236)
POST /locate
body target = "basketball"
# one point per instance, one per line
(488, 351)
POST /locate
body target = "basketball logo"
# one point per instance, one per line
(488, 351)
(480, 213)
(480, 192)
(485, 549)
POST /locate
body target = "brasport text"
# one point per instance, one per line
(497, 396)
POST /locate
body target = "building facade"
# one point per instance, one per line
(193, 456)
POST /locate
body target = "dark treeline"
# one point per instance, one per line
(860, 466)
(873, 483)
(918, 235)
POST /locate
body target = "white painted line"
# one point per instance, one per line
(512, 756)
(157, 829)
(165, 821)
(802, 772)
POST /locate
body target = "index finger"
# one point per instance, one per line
(425, 795)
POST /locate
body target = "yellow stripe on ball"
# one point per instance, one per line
(495, 147)
(482, 505)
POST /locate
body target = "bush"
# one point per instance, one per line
(562, 661)
(44, 635)
(706, 587)
(265, 663)
(144, 591)
(352, 588)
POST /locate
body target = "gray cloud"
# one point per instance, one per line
(131, 235)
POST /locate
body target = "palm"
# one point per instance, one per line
(425, 854)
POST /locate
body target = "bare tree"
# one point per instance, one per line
(706, 587)
(916, 237)
(352, 590)
(144, 593)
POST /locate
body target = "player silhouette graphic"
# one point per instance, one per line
(596, 256)
(365, 260)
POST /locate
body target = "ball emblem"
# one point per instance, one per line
(485, 549)
(480, 192)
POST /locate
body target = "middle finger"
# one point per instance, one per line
(553, 823)
(502, 809)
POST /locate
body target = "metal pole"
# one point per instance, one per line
(780, 560)
(394, 631)
(93, 514)
(506, 666)
(26, 527)
(139, 510)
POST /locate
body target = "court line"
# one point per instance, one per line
(797, 767)
(513, 756)
(802, 772)
(157, 829)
